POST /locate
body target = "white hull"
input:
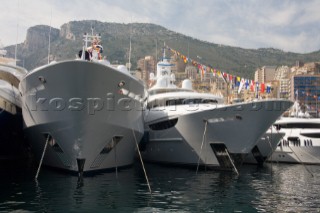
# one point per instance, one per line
(10, 77)
(267, 144)
(236, 127)
(81, 105)
(301, 143)
(11, 136)
(295, 154)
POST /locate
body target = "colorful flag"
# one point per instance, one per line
(242, 83)
(238, 81)
(246, 84)
(230, 78)
(262, 87)
(252, 86)
(268, 89)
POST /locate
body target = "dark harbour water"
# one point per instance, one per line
(272, 188)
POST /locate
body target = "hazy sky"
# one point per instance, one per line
(289, 25)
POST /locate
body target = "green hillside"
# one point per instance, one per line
(67, 41)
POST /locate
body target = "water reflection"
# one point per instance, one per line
(272, 188)
(291, 188)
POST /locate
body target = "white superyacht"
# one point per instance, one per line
(85, 114)
(196, 129)
(265, 147)
(12, 147)
(301, 143)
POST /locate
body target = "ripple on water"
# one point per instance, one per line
(276, 188)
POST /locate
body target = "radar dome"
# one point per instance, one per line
(173, 77)
(187, 84)
(152, 76)
(161, 83)
(122, 68)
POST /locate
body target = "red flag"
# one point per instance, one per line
(262, 88)
(230, 77)
(252, 86)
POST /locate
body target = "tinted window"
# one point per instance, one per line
(164, 124)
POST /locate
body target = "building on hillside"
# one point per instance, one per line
(147, 65)
(312, 68)
(282, 75)
(191, 72)
(138, 74)
(284, 88)
(281, 72)
(264, 74)
(306, 90)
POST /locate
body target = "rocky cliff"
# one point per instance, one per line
(147, 39)
(38, 37)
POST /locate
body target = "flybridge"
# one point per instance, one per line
(3, 52)
(92, 52)
(168, 65)
(91, 38)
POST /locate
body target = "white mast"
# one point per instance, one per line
(130, 53)
(49, 38)
(164, 50)
(130, 46)
(16, 48)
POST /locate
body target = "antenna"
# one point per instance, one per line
(49, 38)
(130, 52)
(92, 28)
(85, 45)
(188, 48)
(130, 45)
(16, 48)
(155, 64)
(156, 49)
(164, 51)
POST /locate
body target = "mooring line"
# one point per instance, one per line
(144, 170)
(269, 141)
(44, 150)
(234, 166)
(203, 138)
(115, 155)
(301, 162)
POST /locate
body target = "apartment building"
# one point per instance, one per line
(264, 74)
(146, 65)
(306, 90)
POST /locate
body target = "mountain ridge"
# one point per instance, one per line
(147, 39)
